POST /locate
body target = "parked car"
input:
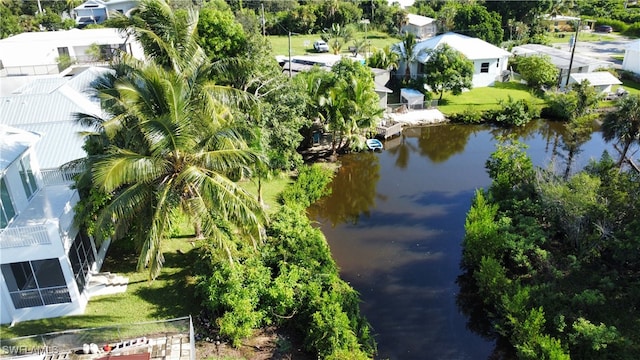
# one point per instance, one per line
(320, 46)
(604, 28)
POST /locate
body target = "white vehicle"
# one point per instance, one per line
(321, 46)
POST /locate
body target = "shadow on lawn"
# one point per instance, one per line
(177, 297)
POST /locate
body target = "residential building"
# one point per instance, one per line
(97, 11)
(40, 53)
(563, 60)
(45, 259)
(489, 61)
(631, 60)
(49, 267)
(561, 22)
(602, 81)
(421, 26)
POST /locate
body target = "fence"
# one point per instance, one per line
(404, 107)
(73, 340)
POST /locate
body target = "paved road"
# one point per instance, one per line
(602, 50)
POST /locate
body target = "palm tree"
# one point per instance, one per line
(171, 143)
(188, 148)
(405, 50)
(623, 125)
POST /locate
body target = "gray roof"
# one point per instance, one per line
(559, 58)
(598, 78)
(47, 107)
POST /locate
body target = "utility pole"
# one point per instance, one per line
(263, 32)
(573, 50)
(289, 53)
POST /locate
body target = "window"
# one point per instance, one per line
(7, 211)
(82, 257)
(26, 175)
(36, 283)
(484, 67)
(63, 51)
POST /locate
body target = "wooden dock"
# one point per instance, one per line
(388, 128)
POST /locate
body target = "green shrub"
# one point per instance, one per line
(633, 30)
(468, 116)
(513, 112)
(293, 281)
(310, 185)
(617, 25)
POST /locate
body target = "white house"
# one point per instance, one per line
(421, 26)
(631, 60)
(97, 11)
(46, 261)
(37, 53)
(489, 61)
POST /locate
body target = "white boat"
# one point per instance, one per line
(374, 144)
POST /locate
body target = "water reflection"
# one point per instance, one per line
(353, 190)
(395, 222)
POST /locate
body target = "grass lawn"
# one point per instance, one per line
(303, 44)
(170, 296)
(485, 98)
(557, 38)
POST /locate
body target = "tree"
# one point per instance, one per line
(474, 20)
(537, 70)
(448, 70)
(171, 144)
(405, 51)
(188, 151)
(337, 36)
(383, 59)
(220, 35)
(623, 125)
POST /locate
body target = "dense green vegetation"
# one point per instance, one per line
(292, 281)
(552, 259)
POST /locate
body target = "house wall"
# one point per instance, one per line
(631, 60)
(93, 13)
(43, 251)
(495, 68)
(14, 182)
(124, 7)
(421, 32)
(29, 53)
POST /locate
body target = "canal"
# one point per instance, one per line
(395, 224)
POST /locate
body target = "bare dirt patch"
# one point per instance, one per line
(269, 343)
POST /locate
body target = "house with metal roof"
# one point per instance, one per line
(563, 60)
(421, 26)
(47, 262)
(47, 106)
(39, 53)
(489, 61)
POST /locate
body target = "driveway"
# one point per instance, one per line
(602, 50)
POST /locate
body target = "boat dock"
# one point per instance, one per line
(388, 128)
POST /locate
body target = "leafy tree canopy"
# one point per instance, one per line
(448, 70)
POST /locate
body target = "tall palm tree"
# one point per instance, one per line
(405, 50)
(172, 142)
(187, 148)
(623, 125)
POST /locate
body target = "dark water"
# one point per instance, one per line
(395, 224)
